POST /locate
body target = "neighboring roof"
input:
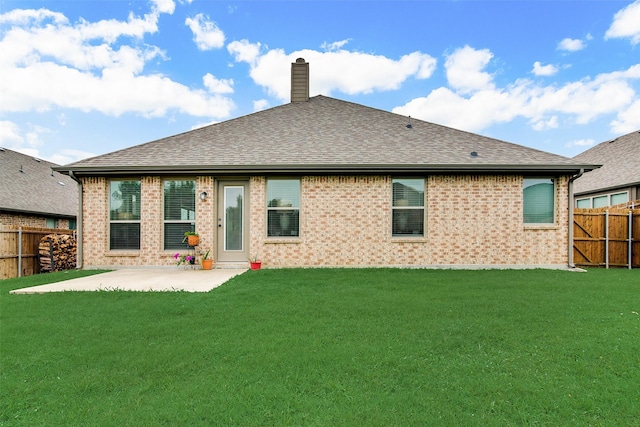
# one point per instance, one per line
(620, 159)
(30, 185)
(324, 135)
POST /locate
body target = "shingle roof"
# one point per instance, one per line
(620, 159)
(30, 185)
(321, 135)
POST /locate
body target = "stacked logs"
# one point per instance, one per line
(57, 252)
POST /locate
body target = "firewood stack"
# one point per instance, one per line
(57, 252)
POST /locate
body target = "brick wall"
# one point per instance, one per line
(476, 220)
(24, 220)
(346, 221)
(95, 231)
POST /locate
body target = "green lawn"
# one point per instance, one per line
(370, 347)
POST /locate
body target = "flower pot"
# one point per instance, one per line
(255, 265)
(193, 240)
(207, 264)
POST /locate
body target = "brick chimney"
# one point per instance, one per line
(299, 81)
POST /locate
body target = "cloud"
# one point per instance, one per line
(580, 143)
(217, 85)
(48, 62)
(206, 33)
(29, 16)
(334, 45)
(244, 51)
(340, 70)
(33, 136)
(476, 108)
(29, 141)
(260, 104)
(201, 125)
(10, 135)
(66, 156)
(544, 123)
(474, 113)
(36, 36)
(627, 120)
(164, 6)
(571, 45)
(464, 69)
(544, 70)
(626, 24)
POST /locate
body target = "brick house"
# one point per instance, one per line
(324, 182)
(618, 180)
(32, 194)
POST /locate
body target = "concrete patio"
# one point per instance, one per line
(163, 280)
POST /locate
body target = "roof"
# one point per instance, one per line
(324, 135)
(30, 185)
(620, 161)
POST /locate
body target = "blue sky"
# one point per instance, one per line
(83, 78)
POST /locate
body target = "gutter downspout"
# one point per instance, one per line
(573, 178)
(79, 221)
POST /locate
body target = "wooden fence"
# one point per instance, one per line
(607, 237)
(19, 249)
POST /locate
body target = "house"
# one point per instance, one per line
(325, 182)
(618, 180)
(33, 194)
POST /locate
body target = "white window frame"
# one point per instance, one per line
(283, 208)
(607, 195)
(399, 208)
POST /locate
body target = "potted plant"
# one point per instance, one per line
(184, 259)
(207, 263)
(191, 237)
(254, 262)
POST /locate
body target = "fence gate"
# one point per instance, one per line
(606, 237)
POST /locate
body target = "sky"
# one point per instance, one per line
(80, 78)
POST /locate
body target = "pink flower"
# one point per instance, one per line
(176, 256)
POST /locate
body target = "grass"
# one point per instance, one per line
(379, 347)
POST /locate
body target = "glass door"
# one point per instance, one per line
(232, 221)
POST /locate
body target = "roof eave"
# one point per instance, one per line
(607, 189)
(327, 168)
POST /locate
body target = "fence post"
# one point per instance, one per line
(606, 239)
(20, 251)
(630, 237)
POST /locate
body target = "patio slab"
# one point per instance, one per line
(163, 280)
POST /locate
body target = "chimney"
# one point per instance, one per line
(300, 81)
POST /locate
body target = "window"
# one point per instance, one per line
(283, 208)
(72, 224)
(603, 200)
(600, 201)
(179, 212)
(124, 215)
(583, 203)
(51, 223)
(618, 198)
(538, 200)
(408, 207)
